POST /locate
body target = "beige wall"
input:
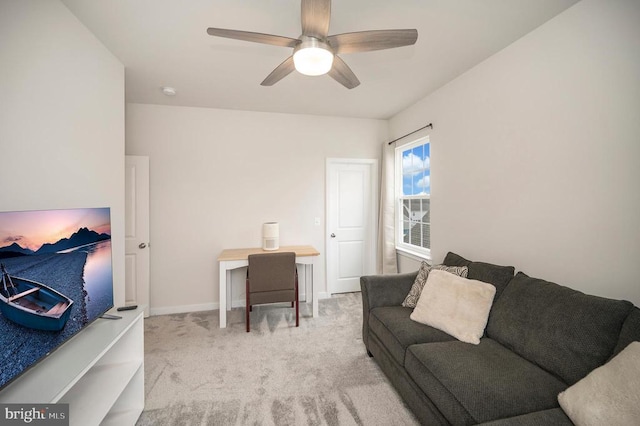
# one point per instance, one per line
(61, 118)
(536, 153)
(217, 175)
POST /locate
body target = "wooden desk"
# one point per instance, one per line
(231, 259)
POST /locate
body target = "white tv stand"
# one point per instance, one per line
(99, 373)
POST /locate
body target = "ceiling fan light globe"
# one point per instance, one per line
(313, 60)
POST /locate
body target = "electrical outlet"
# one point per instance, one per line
(317, 221)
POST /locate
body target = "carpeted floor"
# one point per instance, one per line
(316, 374)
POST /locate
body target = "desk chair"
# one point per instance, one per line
(272, 278)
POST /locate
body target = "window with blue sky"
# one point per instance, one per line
(413, 174)
(416, 176)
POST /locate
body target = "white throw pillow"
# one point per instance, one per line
(456, 305)
(609, 395)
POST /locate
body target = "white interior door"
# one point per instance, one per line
(352, 187)
(137, 231)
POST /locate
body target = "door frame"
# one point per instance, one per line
(142, 290)
(375, 195)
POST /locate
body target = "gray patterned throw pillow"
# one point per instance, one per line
(414, 294)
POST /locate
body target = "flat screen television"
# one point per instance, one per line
(56, 278)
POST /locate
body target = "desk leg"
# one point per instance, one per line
(229, 290)
(304, 280)
(223, 275)
(314, 301)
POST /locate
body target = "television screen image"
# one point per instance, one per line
(56, 278)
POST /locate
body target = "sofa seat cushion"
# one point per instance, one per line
(396, 331)
(478, 383)
(564, 331)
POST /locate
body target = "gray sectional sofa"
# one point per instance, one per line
(540, 339)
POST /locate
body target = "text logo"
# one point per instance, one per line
(34, 414)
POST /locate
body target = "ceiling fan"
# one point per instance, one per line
(316, 52)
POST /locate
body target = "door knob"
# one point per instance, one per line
(333, 235)
(142, 245)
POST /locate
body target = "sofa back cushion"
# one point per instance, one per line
(497, 275)
(564, 331)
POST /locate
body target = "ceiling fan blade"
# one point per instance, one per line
(365, 41)
(341, 73)
(254, 37)
(281, 71)
(315, 18)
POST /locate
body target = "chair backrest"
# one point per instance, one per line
(272, 271)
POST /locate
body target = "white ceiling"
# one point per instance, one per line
(164, 43)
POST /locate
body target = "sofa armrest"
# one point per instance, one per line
(383, 290)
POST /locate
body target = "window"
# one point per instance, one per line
(413, 190)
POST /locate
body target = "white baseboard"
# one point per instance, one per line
(182, 309)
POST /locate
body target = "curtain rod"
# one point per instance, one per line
(410, 133)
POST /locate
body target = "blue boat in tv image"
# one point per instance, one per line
(56, 278)
(32, 304)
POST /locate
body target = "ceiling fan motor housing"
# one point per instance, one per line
(312, 56)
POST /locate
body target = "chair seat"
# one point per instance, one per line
(262, 297)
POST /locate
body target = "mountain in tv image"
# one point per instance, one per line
(81, 237)
(14, 250)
